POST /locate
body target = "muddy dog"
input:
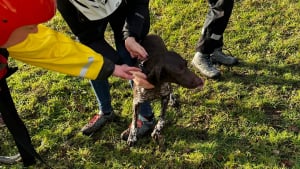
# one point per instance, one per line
(162, 68)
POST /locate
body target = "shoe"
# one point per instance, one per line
(219, 57)
(203, 63)
(10, 159)
(2, 124)
(97, 122)
(144, 126)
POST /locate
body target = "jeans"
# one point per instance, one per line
(102, 88)
(91, 33)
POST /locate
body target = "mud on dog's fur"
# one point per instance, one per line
(162, 67)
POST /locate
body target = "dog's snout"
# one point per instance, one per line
(196, 82)
(199, 83)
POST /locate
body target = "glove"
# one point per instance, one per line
(3, 66)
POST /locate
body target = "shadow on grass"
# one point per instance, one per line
(263, 74)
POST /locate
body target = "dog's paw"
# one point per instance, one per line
(159, 139)
(132, 137)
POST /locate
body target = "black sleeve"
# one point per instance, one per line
(107, 69)
(137, 23)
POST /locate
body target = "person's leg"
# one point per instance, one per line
(117, 21)
(212, 37)
(10, 159)
(91, 33)
(16, 126)
(101, 87)
(102, 91)
(146, 115)
(214, 26)
(218, 55)
(1, 121)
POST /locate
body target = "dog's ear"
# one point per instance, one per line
(154, 75)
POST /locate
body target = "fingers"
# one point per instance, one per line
(123, 71)
(139, 52)
(135, 49)
(140, 80)
(132, 73)
(143, 83)
(128, 72)
(138, 74)
(131, 69)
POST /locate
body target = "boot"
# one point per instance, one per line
(219, 57)
(203, 63)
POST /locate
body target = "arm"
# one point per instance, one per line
(137, 23)
(55, 51)
(136, 27)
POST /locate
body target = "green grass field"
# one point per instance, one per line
(250, 118)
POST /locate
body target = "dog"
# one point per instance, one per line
(162, 67)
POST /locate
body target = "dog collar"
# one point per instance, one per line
(142, 66)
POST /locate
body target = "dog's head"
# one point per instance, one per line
(167, 66)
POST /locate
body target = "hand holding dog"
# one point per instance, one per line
(132, 73)
(124, 71)
(140, 79)
(135, 49)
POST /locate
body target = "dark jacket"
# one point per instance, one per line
(132, 18)
(137, 23)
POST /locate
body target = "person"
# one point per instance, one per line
(130, 22)
(210, 43)
(22, 37)
(8, 159)
(1, 121)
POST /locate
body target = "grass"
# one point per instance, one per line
(247, 119)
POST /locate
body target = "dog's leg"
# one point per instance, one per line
(174, 101)
(156, 133)
(132, 137)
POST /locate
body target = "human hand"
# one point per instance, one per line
(140, 79)
(132, 73)
(135, 49)
(125, 71)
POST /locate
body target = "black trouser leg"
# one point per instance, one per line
(15, 125)
(214, 25)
